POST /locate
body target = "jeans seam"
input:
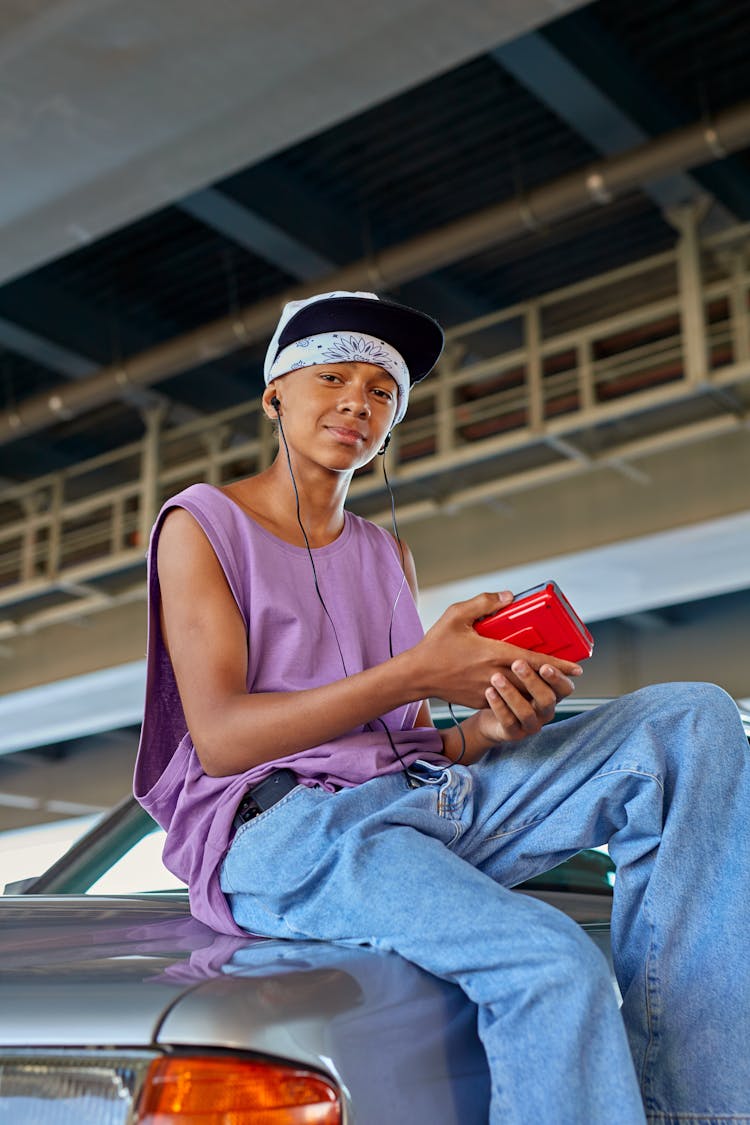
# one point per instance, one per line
(631, 769)
(606, 773)
(649, 988)
(696, 1118)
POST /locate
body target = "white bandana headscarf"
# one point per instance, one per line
(345, 347)
(337, 347)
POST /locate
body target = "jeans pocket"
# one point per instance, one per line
(427, 773)
(268, 836)
(264, 816)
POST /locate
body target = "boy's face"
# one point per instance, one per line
(338, 414)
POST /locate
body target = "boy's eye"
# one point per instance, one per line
(384, 394)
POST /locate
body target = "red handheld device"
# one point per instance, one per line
(542, 620)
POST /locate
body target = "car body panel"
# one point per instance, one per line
(81, 970)
(90, 972)
(139, 971)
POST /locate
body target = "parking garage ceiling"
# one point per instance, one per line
(162, 168)
(166, 167)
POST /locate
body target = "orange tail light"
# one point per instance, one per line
(196, 1090)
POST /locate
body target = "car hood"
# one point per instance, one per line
(92, 970)
(139, 971)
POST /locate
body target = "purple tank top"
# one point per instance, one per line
(291, 647)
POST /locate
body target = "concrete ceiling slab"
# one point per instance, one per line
(110, 109)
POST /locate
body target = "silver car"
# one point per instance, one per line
(120, 1008)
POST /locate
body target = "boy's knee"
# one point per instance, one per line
(695, 723)
(705, 700)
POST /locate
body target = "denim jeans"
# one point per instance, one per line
(663, 776)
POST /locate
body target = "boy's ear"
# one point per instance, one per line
(271, 403)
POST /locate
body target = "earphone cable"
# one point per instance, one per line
(382, 722)
(307, 545)
(401, 551)
(456, 723)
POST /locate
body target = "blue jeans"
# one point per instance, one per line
(663, 776)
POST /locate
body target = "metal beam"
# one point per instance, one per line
(47, 353)
(582, 40)
(271, 213)
(555, 80)
(249, 229)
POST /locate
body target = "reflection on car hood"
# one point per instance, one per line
(85, 970)
(113, 969)
(138, 971)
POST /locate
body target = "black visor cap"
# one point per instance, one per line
(415, 335)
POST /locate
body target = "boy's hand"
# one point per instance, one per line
(456, 664)
(513, 712)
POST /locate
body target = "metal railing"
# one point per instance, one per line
(543, 377)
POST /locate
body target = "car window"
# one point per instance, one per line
(27, 852)
(138, 870)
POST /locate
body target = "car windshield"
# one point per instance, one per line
(122, 855)
(141, 868)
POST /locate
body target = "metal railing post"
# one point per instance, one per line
(535, 390)
(444, 404)
(117, 529)
(54, 542)
(213, 441)
(586, 387)
(740, 321)
(690, 283)
(150, 465)
(30, 504)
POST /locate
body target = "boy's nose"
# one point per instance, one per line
(355, 399)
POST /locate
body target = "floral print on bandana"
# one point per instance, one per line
(356, 349)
